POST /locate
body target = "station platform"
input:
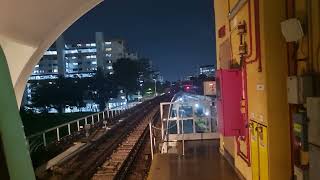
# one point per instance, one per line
(202, 161)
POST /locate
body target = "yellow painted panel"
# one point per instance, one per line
(254, 151)
(229, 145)
(263, 152)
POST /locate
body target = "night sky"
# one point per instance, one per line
(177, 35)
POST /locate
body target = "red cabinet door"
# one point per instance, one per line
(229, 89)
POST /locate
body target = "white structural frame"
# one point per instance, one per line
(166, 136)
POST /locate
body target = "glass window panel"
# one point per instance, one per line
(173, 113)
(185, 111)
(187, 126)
(172, 127)
(202, 125)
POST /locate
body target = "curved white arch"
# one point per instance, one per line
(28, 28)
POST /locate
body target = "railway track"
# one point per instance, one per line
(108, 152)
(120, 161)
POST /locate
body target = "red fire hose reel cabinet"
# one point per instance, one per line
(229, 95)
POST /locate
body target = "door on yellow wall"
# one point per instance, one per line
(263, 152)
(254, 151)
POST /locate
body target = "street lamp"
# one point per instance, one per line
(155, 87)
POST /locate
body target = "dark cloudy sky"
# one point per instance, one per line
(177, 35)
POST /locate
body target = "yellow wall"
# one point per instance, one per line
(267, 105)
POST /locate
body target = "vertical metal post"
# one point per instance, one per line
(193, 120)
(85, 121)
(58, 134)
(182, 129)
(92, 119)
(103, 115)
(161, 110)
(78, 125)
(151, 143)
(178, 120)
(69, 130)
(108, 115)
(98, 117)
(162, 130)
(44, 139)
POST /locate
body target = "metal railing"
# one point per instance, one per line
(67, 129)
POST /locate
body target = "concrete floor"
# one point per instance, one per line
(202, 161)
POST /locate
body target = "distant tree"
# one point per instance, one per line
(73, 92)
(57, 93)
(42, 95)
(126, 73)
(102, 88)
(144, 68)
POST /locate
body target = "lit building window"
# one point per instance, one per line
(87, 50)
(109, 67)
(73, 51)
(108, 43)
(79, 45)
(50, 53)
(88, 45)
(75, 64)
(94, 62)
(91, 57)
(108, 49)
(108, 55)
(37, 66)
(93, 44)
(55, 70)
(73, 57)
(110, 72)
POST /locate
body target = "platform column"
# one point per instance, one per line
(15, 146)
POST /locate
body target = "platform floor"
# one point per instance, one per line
(202, 161)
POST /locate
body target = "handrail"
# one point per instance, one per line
(112, 114)
(70, 122)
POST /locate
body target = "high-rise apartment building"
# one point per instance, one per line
(81, 59)
(208, 70)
